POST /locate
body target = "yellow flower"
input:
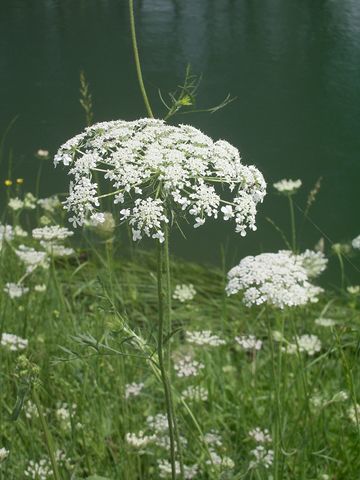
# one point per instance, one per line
(8, 183)
(19, 181)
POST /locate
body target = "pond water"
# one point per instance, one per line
(293, 66)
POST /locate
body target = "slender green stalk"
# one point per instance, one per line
(293, 225)
(137, 60)
(342, 269)
(47, 435)
(162, 362)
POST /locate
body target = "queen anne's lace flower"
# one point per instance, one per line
(309, 344)
(133, 389)
(32, 258)
(184, 293)
(13, 342)
(204, 337)
(3, 454)
(313, 262)
(195, 393)
(260, 436)
(279, 279)
(190, 472)
(356, 243)
(38, 470)
(249, 343)
(156, 169)
(49, 204)
(187, 367)
(6, 234)
(325, 322)
(288, 187)
(15, 290)
(15, 204)
(262, 457)
(52, 233)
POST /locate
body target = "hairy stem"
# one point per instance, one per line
(137, 60)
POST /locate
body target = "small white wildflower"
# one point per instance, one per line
(16, 204)
(249, 342)
(165, 471)
(213, 439)
(195, 393)
(278, 279)
(158, 423)
(325, 322)
(30, 410)
(139, 440)
(353, 289)
(55, 250)
(13, 342)
(263, 457)
(354, 413)
(133, 389)
(29, 201)
(356, 243)
(187, 367)
(288, 187)
(3, 454)
(313, 262)
(65, 413)
(15, 290)
(32, 258)
(309, 344)
(40, 470)
(42, 153)
(49, 204)
(19, 232)
(221, 462)
(184, 293)
(54, 232)
(204, 337)
(260, 436)
(40, 288)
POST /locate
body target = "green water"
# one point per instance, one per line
(294, 66)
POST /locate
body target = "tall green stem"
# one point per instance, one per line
(137, 60)
(162, 362)
(47, 435)
(293, 225)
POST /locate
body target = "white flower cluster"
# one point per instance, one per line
(213, 439)
(139, 440)
(164, 466)
(260, 436)
(52, 233)
(184, 293)
(65, 413)
(195, 393)
(15, 290)
(313, 262)
(40, 470)
(204, 337)
(249, 342)
(353, 289)
(325, 322)
(356, 243)
(263, 457)
(32, 258)
(187, 367)
(220, 462)
(354, 413)
(156, 169)
(3, 454)
(49, 204)
(288, 187)
(133, 389)
(15, 204)
(278, 279)
(13, 342)
(309, 344)
(6, 234)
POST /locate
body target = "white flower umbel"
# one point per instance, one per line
(3, 454)
(204, 337)
(356, 243)
(157, 169)
(187, 367)
(325, 322)
(353, 289)
(15, 290)
(38, 470)
(139, 440)
(249, 342)
(164, 466)
(287, 187)
(262, 457)
(16, 204)
(260, 436)
(278, 279)
(13, 342)
(6, 234)
(32, 258)
(195, 393)
(309, 344)
(313, 262)
(220, 462)
(49, 204)
(354, 414)
(52, 233)
(133, 389)
(184, 293)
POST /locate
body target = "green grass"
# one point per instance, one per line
(84, 335)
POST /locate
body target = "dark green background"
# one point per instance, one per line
(293, 64)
